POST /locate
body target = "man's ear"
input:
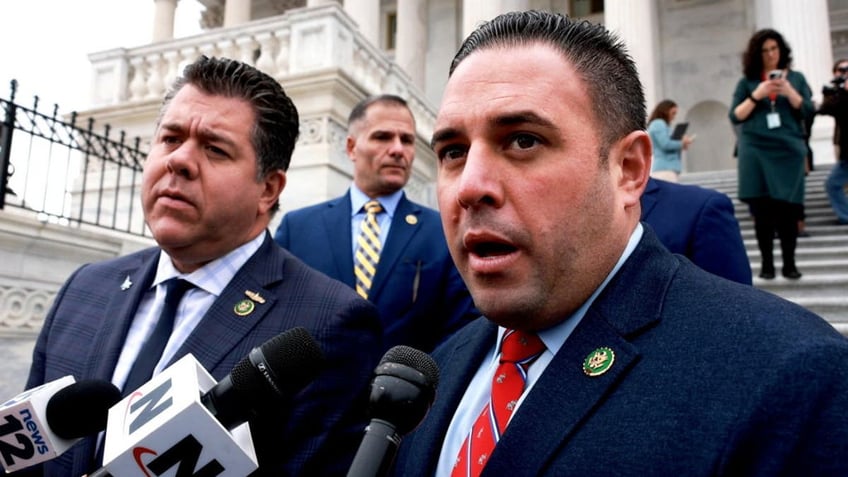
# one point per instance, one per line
(633, 165)
(350, 143)
(274, 182)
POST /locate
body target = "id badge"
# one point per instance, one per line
(773, 120)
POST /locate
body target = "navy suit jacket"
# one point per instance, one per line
(710, 377)
(700, 224)
(317, 433)
(417, 289)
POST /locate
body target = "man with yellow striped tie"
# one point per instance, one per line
(393, 252)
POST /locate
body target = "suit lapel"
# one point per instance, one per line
(120, 313)
(457, 366)
(221, 329)
(564, 396)
(336, 220)
(405, 224)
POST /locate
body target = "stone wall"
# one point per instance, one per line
(35, 259)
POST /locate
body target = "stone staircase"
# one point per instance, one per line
(822, 257)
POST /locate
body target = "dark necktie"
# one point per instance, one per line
(368, 249)
(518, 351)
(151, 352)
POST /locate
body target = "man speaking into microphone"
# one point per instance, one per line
(217, 285)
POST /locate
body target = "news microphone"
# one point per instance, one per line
(42, 423)
(182, 418)
(402, 390)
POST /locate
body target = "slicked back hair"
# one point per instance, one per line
(276, 126)
(599, 57)
(359, 111)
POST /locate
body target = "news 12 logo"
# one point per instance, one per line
(25, 430)
(185, 454)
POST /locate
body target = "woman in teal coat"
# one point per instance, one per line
(768, 104)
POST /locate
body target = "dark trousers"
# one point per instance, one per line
(770, 216)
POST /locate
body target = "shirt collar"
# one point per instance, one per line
(215, 275)
(389, 202)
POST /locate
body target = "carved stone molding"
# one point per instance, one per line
(22, 309)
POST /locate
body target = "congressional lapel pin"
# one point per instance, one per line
(411, 219)
(127, 284)
(244, 307)
(598, 362)
(255, 296)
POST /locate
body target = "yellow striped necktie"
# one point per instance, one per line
(367, 249)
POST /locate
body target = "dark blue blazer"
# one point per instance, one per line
(317, 433)
(699, 224)
(417, 289)
(710, 378)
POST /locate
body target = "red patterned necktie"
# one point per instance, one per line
(518, 350)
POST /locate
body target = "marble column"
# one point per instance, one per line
(476, 11)
(163, 19)
(236, 12)
(366, 14)
(411, 47)
(635, 21)
(807, 31)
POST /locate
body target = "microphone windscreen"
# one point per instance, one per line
(291, 360)
(81, 409)
(415, 359)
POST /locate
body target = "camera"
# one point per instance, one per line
(835, 85)
(775, 74)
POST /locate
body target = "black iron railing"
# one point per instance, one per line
(65, 173)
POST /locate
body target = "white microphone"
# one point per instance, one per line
(182, 419)
(42, 423)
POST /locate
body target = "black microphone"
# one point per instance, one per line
(45, 421)
(255, 382)
(402, 390)
(82, 408)
(151, 418)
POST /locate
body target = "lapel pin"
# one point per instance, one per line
(254, 296)
(127, 284)
(244, 307)
(411, 219)
(598, 362)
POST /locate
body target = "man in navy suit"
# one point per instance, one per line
(629, 360)
(416, 288)
(699, 224)
(211, 182)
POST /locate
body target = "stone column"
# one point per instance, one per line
(411, 48)
(315, 3)
(163, 20)
(476, 11)
(635, 21)
(236, 12)
(366, 14)
(807, 31)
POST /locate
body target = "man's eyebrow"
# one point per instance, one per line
(523, 117)
(446, 134)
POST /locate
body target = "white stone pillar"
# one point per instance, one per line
(411, 48)
(236, 12)
(366, 14)
(807, 31)
(163, 19)
(315, 3)
(476, 11)
(635, 22)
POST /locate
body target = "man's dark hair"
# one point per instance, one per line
(276, 129)
(358, 111)
(599, 57)
(752, 59)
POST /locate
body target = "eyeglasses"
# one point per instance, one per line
(842, 69)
